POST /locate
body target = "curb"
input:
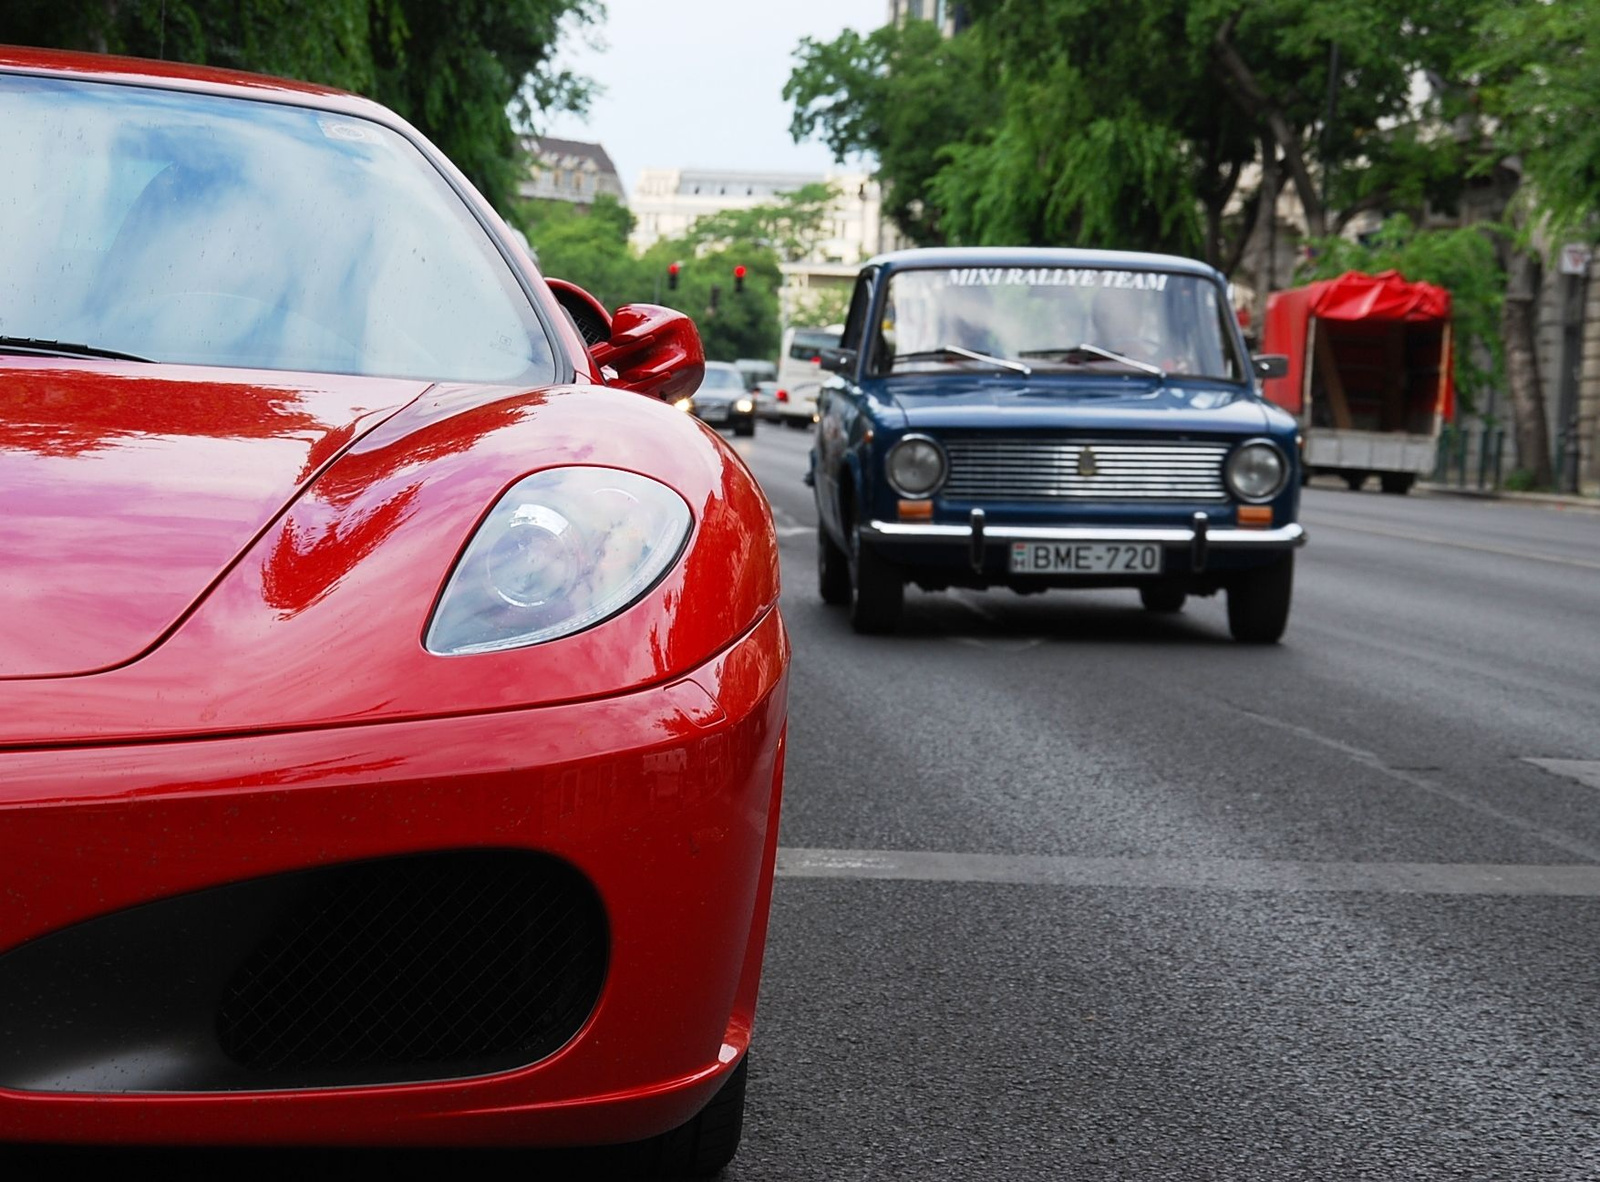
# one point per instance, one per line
(1548, 500)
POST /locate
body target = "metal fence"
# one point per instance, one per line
(1471, 456)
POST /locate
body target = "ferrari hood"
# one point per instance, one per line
(1092, 404)
(127, 489)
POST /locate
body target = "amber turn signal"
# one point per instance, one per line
(1255, 516)
(916, 510)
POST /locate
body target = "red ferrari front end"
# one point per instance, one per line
(391, 714)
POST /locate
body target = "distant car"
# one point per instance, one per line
(766, 400)
(392, 686)
(722, 400)
(756, 371)
(1052, 418)
(800, 373)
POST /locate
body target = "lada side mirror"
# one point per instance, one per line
(1270, 365)
(837, 360)
(652, 350)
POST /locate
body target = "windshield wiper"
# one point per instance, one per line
(61, 349)
(1071, 352)
(958, 351)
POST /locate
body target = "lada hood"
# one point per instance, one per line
(1094, 404)
(127, 489)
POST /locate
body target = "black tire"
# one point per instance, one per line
(833, 570)
(1397, 483)
(1164, 598)
(747, 427)
(701, 1147)
(879, 592)
(1258, 602)
(1354, 480)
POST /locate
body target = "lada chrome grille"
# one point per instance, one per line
(1022, 469)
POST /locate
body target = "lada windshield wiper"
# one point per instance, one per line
(61, 349)
(1078, 352)
(958, 351)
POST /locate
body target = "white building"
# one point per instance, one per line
(667, 201)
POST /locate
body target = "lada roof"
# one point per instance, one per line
(1040, 256)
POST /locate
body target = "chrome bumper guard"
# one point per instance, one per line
(1284, 537)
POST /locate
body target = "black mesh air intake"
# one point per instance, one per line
(482, 959)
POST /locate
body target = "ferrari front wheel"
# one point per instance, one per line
(702, 1146)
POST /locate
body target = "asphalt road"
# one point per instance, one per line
(1074, 891)
(1070, 891)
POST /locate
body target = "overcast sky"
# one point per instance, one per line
(699, 83)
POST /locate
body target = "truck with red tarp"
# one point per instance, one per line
(1369, 374)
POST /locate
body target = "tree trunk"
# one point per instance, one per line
(1519, 328)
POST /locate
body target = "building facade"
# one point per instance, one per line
(568, 170)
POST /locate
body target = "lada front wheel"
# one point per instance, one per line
(833, 570)
(1258, 602)
(880, 593)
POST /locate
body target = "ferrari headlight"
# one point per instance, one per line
(563, 550)
(1256, 471)
(916, 466)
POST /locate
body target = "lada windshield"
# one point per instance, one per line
(207, 230)
(1044, 318)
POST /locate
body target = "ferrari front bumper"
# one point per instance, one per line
(665, 801)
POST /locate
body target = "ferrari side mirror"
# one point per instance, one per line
(652, 350)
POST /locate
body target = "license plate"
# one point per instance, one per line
(1085, 558)
(715, 414)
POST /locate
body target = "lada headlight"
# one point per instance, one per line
(916, 466)
(1256, 471)
(561, 551)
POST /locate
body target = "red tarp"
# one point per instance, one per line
(1378, 299)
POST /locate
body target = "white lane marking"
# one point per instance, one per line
(1193, 874)
(793, 531)
(1502, 551)
(1585, 771)
(1413, 779)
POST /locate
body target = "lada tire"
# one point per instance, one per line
(1258, 602)
(833, 570)
(880, 593)
(1164, 598)
(701, 1147)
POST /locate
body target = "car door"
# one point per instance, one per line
(839, 410)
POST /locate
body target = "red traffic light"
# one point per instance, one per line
(738, 272)
(672, 276)
(738, 280)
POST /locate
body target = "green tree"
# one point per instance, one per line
(791, 225)
(589, 248)
(468, 73)
(900, 94)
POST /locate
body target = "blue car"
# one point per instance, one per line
(1031, 419)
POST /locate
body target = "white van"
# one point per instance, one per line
(800, 373)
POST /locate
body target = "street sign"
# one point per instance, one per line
(1575, 258)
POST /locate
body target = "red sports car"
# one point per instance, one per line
(392, 686)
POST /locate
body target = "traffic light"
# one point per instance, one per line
(738, 280)
(672, 276)
(716, 298)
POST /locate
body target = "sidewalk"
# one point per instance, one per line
(1551, 500)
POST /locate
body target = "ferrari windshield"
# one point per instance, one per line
(1041, 318)
(219, 231)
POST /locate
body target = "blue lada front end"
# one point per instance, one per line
(1039, 418)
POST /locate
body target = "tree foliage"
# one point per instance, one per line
(458, 69)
